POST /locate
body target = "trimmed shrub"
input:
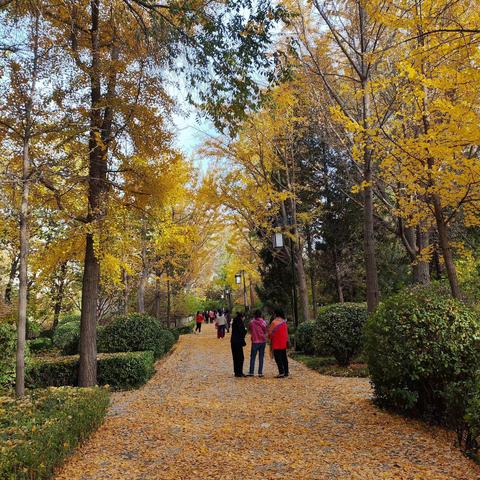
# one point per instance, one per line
(183, 330)
(121, 371)
(45, 426)
(67, 337)
(339, 331)
(40, 344)
(422, 350)
(168, 339)
(8, 345)
(135, 333)
(304, 337)
(175, 333)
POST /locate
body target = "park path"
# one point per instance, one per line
(194, 420)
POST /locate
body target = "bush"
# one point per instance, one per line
(69, 318)
(339, 331)
(42, 428)
(33, 329)
(184, 329)
(304, 337)
(40, 344)
(67, 337)
(8, 345)
(168, 339)
(175, 332)
(135, 333)
(121, 371)
(422, 347)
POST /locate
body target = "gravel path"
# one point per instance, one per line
(194, 420)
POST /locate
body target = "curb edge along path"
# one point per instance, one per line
(194, 420)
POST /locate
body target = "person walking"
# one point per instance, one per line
(212, 316)
(237, 342)
(258, 333)
(199, 320)
(278, 334)
(221, 324)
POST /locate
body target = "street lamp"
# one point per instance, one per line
(238, 280)
(277, 240)
(278, 243)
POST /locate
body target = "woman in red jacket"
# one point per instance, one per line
(278, 334)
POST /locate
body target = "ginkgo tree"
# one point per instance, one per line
(430, 141)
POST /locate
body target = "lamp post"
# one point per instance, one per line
(278, 242)
(238, 281)
(228, 294)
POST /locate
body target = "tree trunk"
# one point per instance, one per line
(311, 271)
(369, 245)
(141, 291)
(157, 308)
(302, 285)
(415, 241)
(23, 275)
(97, 176)
(168, 302)
(11, 279)
(338, 279)
(88, 320)
(60, 287)
(436, 263)
(251, 291)
(24, 228)
(444, 243)
(368, 207)
(126, 292)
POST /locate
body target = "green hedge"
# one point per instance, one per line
(40, 344)
(121, 371)
(304, 338)
(67, 337)
(40, 430)
(134, 333)
(339, 331)
(8, 345)
(423, 355)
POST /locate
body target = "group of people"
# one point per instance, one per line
(276, 332)
(221, 318)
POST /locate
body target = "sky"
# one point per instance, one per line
(190, 129)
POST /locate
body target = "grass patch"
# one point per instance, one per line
(39, 430)
(329, 366)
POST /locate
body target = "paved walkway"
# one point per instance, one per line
(194, 420)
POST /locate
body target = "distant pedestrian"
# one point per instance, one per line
(199, 320)
(221, 324)
(237, 342)
(278, 333)
(258, 332)
(212, 316)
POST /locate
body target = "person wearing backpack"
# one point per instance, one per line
(258, 333)
(278, 334)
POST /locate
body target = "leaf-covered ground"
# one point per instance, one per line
(194, 420)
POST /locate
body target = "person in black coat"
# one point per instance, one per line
(237, 341)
